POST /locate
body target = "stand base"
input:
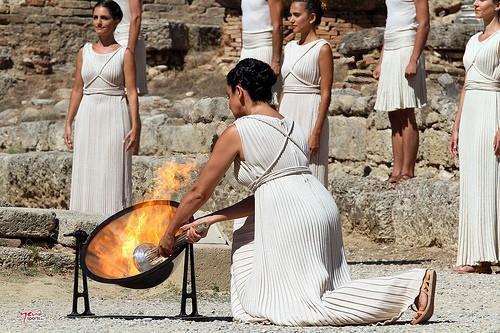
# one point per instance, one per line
(196, 318)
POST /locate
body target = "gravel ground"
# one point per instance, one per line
(464, 303)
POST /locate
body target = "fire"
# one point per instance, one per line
(109, 254)
(171, 178)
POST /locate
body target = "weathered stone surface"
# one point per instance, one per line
(451, 36)
(365, 206)
(204, 37)
(347, 138)
(356, 43)
(434, 148)
(70, 221)
(15, 258)
(165, 35)
(6, 82)
(420, 212)
(56, 261)
(26, 222)
(5, 57)
(209, 109)
(379, 146)
(10, 242)
(449, 86)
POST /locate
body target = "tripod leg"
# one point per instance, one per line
(189, 266)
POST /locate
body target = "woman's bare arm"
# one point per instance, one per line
(276, 10)
(326, 74)
(132, 137)
(74, 102)
(422, 9)
(135, 23)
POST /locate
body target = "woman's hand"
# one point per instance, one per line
(453, 145)
(166, 246)
(190, 228)
(276, 66)
(68, 136)
(377, 70)
(313, 143)
(132, 139)
(411, 69)
(496, 143)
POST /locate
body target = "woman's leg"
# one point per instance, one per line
(397, 145)
(410, 142)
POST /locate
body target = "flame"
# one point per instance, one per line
(170, 178)
(110, 252)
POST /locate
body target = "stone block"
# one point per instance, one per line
(70, 221)
(26, 222)
(379, 146)
(434, 148)
(357, 43)
(347, 138)
(15, 258)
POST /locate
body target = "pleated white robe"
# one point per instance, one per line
(301, 98)
(479, 226)
(101, 175)
(290, 268)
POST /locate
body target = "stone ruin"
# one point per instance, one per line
(38, 40)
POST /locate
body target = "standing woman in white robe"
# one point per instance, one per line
(308, 76)
(128, 34)
(106, 127)
(262, 35)
(401, 75)
(293, 270)
(475, 139)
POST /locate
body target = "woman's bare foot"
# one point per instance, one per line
(482, 268)
(406, 177)
(393, 179)
(425, 300)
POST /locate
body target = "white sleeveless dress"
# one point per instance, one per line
(257, 38)
(301, 97)
(101, 175)
(291, 270)
(395, 91)
(479, 227)
(121, 36)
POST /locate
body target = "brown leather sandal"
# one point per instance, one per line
(428, 288)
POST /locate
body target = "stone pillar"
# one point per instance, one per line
(467, 14)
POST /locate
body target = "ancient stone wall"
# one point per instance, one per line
(36, 35)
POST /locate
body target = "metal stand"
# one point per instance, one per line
(189, 265)
(80, 238)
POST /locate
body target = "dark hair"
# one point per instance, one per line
(113, 7)
(318, 7)
(254, 76)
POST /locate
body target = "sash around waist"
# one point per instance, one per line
(253, 40)
(297, 170)
(104, 91)
(301, 89)
(399, 39)
(485, 86)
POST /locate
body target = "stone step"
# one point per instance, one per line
(27, 222)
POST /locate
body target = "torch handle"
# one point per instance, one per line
(152, 254)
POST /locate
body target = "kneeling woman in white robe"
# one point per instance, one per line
(293, 271)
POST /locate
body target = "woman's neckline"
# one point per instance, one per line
(92, 48)
(484, 40)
